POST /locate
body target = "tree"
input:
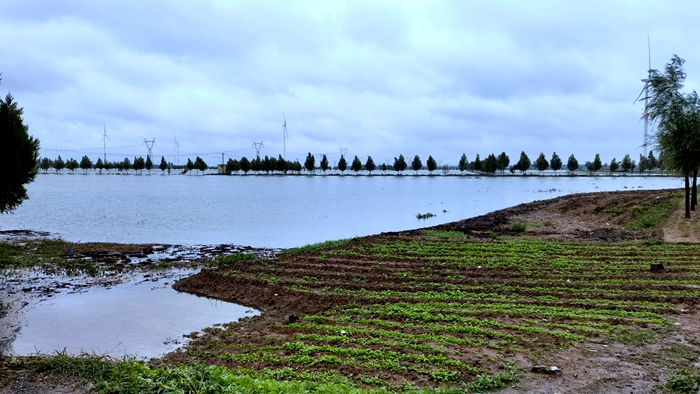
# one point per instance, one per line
(267, 165)
(572, 164)
(200, 165)
(490, 165)
(383, 167)
(100, 165)
(432, 164)
(463, 163)
(524, 162)
(189, 165)
(652, 161)
(149, 164)
(256, 164)
(477, 163)
(678, 124)
(59, 164)
(643, 163)
(626, 163)
(72, 164)
(400, 164)
(416, 164)
(108, 166)
(45, 164)
(164, 165)
(139, 164)
(324, 164)
(19, 155)
(369, 165)
(503, 161)
(342, 164)
(541, 163)
(310, 162)
(281, 164)
(85, 164)
(356, 164)
(555, 163)
(597, 164)
(614, 165)
(245, 165)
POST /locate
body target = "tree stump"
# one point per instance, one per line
(656, 267)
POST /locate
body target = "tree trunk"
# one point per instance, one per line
(694, 192)
(687, 197)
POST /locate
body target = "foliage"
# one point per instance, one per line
(356, 164)
(595, 165)
(189, 165)
(369, 165)
(503, 161)
(45, 164)
(315, 247)
(519, 227)
(139, 164)
(100, 165)
(614, 165)
(72, 165)
(555, 162)
(310, 163)
(342, 164)
(400, 164)
(431, 163)
(85, 164)
(490, 165)
(324, 163)
(685, 381)
(19, 155)
(627, 164)
(149, 164)
(199, 164)
(164, 165)
(524, 162)
(541, 163)
(416, 164)
(572, 164)
(463, 163)
(477, 164)
(245, 165)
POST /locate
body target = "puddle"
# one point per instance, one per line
(142, 318)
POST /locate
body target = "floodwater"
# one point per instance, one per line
(145, 319)
(277, 211)
(141, 318)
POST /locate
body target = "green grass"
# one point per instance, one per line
(646, 215)
(315, 247)
(443, 233)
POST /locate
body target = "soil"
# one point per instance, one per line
(585, 368)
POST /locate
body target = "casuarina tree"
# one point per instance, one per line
(19, 155)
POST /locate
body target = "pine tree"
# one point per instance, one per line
(342, 164)
(463, 163)
(555, 163)
(356, 164)
(572, 164)
(369, 165)
(432, 164)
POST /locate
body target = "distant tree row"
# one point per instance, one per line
(492, 164)
(138, 165)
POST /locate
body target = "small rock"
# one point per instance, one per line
(293, 318)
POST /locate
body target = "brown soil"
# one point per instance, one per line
(587, 368)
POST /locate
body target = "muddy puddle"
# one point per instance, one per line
(143, 318)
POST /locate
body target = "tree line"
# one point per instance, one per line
(491, 165)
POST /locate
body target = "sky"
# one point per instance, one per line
(375, 78)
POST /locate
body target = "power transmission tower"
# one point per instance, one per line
(258, 146)
(149, 145)
(104, 139)
(342, 151)
(645, 92)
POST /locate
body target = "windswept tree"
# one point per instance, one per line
(595, 165)
(614, 165)
(164, 165)
(342, 164)
(572, 164)
(555, 162)
(503, 162)
(310, 163)
(432, 164)
(100, 165)
(477, 164)
(677, 116)
(324, 164)
(19, 156)
(524, 162)
(490, 164)
(463, 163)
(356, 165)
(541, 163)
(189, 165)
(416, 164)
(369, 165)
(400, 164)
(85, 164)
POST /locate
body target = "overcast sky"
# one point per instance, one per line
(379, 78)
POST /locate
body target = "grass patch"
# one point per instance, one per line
(443, 233)
(685, 381)
(649, 216)
(315, 247)
(519, 227)
(231, 259)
